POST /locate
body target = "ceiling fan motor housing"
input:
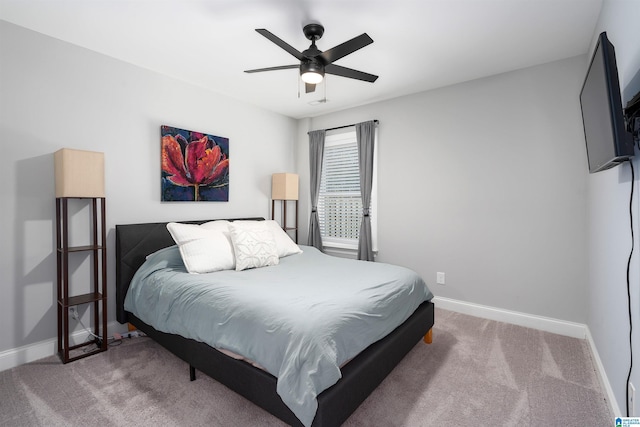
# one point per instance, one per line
(312, 66)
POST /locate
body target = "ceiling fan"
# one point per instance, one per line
(314, 63)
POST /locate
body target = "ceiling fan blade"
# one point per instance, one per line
(284, 45)
(337, 70)
(346, 48)
(309, 87)
(281, 67)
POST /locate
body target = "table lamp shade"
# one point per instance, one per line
(284, 186)
(79, 173)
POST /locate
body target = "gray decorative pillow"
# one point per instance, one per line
(286, 246)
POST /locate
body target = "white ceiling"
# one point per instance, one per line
(418, 44)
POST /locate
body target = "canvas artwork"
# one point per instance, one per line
(195, 166)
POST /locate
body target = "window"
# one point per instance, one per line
(339, 200)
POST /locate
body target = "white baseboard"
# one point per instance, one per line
(604, 380)
(561, 327)
(32, 352)
(547, 324)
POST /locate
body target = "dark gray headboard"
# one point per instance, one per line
(133, 243)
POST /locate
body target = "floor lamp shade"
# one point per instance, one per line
(79, 173)
(284, 186)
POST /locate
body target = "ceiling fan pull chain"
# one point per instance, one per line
(325, 91)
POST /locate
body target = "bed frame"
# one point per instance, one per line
(359, 377)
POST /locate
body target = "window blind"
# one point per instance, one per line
(339, 201)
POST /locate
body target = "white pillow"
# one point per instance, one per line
(204, 248)
(286, 246)
(253, 246)
(217, 225)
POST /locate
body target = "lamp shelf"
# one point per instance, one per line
(85, 353)
(284, 216)
(82, 248)
(81, 299)
(96, 294)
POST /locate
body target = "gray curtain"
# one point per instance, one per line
(365, 134)
(316, 153)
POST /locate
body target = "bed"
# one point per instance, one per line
(359, 377)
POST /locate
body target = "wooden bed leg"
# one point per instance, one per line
(428, 337)
(192, 373)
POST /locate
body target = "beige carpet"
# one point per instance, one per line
(476, 373)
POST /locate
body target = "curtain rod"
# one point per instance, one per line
(345, 126)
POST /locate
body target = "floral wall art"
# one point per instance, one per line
(195, 166)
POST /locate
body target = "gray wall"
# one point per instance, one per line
(608, 226)
(485, 181)
(55, 95)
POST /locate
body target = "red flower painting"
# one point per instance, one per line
(195, 166)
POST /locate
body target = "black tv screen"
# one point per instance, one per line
(608, 143)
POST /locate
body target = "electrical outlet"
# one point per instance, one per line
(440, 278)
(73, 311)
(632, 400)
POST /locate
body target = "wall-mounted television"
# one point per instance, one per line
(608, 142)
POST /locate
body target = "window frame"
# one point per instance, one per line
(349, 137)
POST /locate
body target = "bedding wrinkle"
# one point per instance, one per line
(300, 319)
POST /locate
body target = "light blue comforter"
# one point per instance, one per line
(300, 320)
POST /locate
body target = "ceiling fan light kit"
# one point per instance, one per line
(314, 63)
(311, 72)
